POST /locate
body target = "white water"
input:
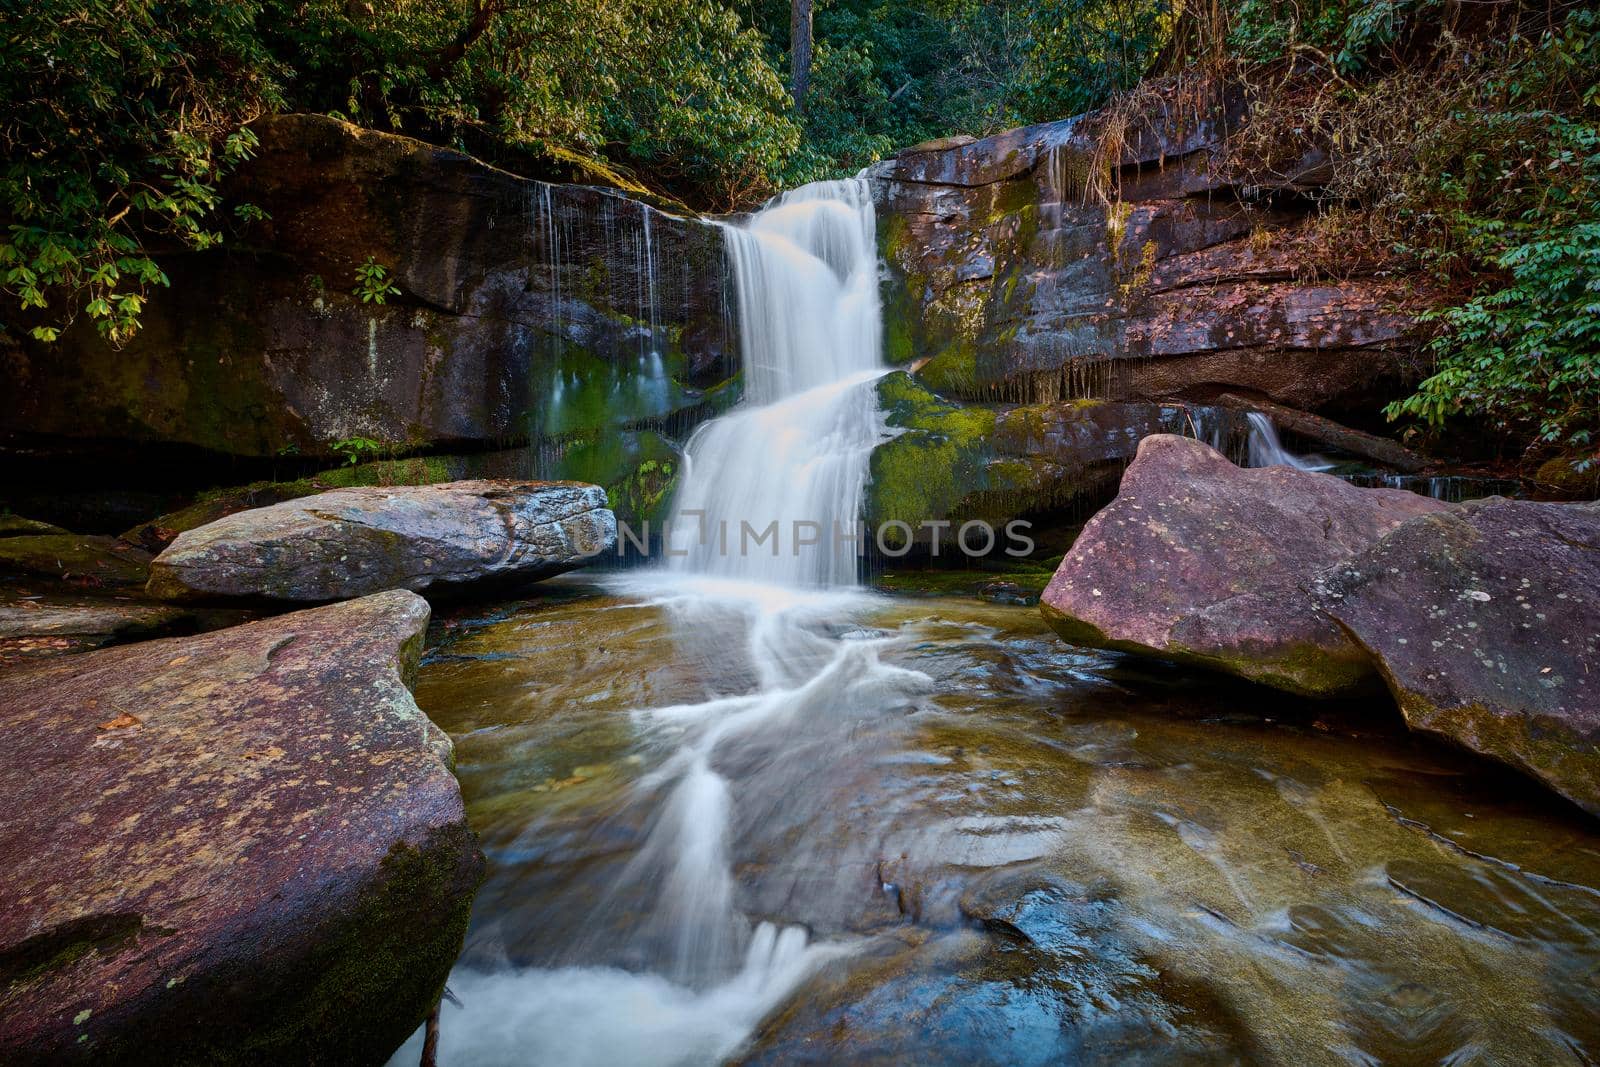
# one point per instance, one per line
(1267, 451)
(794, 452)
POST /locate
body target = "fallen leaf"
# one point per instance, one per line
(119, 722)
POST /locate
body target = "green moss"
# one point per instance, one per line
(639, 471)
(940, 457)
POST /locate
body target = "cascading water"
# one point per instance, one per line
(1267, 451)
(795, 452)
(675, 972)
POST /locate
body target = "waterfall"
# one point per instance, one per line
(1267, 451)
(789, 465)
(675, 971)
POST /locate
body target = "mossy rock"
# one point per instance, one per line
(83, 559)
(17, 526)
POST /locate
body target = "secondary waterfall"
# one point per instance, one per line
(1267, 451)
(773, 489)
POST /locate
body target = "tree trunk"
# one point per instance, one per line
(799, 52)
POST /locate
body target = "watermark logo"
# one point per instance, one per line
(693, 533)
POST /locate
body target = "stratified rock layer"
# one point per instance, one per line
(1039, 264)
(241, 847)
(1485, 622)
(350, 542)
(1200, 561)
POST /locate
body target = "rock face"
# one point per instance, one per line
(525, 309)
(241, 847)
(1021, 284)
(1485, 622)
(351, 542)
(1206, 563)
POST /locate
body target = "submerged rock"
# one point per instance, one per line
(1485, 622)
(349, 542)
(1203, 562)
(247, 846)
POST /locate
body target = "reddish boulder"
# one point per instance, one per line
(1206, 563)
(241, 847)
(1485, 622)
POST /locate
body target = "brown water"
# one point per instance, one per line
(1053, 856)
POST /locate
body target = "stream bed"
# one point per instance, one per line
(951, 838)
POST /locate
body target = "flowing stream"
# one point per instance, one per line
(739, 808)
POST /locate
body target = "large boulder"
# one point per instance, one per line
(1203, 562)
(1485, 622)
(350, 542)
(241, 847)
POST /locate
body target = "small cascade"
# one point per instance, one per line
(1450, 488)
(1267, 451)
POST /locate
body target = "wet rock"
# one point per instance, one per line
(521, 305)
(160, 532)
(39, 625)
(950, 460)
(1485, 622)
(82, 559)
(241, 847)
(350, 542)
(1205, 563)
(1018, 283)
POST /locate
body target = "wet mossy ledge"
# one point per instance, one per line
(1034, 266)
(524, 310)
(1051, 465)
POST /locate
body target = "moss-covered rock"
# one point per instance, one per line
(1023, 276)
(523, 308)
(956, 461)
(84, 559)
(18, 526)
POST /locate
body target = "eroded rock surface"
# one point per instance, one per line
(1203, 562)
(1485, 622)
(350, 542)
(1021, 282)
(241, 847)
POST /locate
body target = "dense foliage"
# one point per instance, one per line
(118, 121)
(1466, 141)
